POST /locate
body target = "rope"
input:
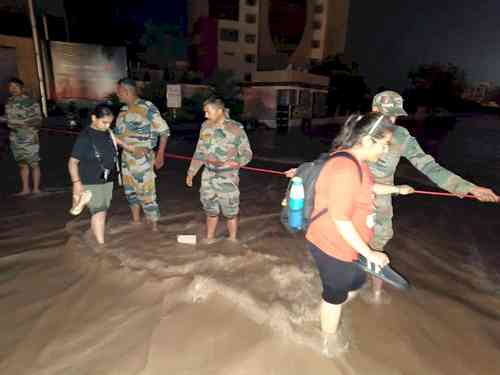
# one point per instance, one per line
(253, 169)
(442, 194)
(174, 156)
(262, 170)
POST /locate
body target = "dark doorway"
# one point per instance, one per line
(8, 69)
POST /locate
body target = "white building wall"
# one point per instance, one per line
(233, 55)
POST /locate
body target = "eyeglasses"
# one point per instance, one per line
(386, 145)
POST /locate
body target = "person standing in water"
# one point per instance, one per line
(24, 119)
(140, 124)
(343, 224)
(92, 167)
(222, 148)
(390, 103)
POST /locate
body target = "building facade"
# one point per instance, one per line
(266, 35)
(481, 92)
(284, 98)
(231, 28)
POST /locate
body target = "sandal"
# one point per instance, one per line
(385, 273)
(83, 200)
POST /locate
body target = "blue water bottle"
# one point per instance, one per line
(296, 204)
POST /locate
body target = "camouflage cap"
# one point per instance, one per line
(389, 103)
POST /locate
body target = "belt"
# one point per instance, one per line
(218, 170)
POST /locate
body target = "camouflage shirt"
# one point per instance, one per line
(141, 124)
(404, 145)
(23, 114)
(219, 143)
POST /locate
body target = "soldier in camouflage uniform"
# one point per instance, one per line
(24, 120)
(139, 125)
(404, 145)
(222, 148)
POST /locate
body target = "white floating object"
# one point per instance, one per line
(188, 239)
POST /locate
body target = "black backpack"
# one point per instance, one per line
(309, 172)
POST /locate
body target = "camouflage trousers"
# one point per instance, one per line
(219, 192)
(25, 147)
(139, 183)
(382, 231)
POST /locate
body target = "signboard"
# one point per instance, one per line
(301, 111)
(86, 71)
(174, 96)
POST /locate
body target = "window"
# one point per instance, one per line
(315, 44)
(316, 25)
(250, 38)
(282, 97)
(320, 104)
(248, 77)
(251, 3)
(318, 9)
(229, 35)
(250, 18)
(250, 59)
(305, 98)
(286, 97)
(225, 10)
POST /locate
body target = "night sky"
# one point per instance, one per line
(385, 37)
(115, 21)
(388, 37)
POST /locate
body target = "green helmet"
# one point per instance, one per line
(389, 103)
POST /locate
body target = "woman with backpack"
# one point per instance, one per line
(343, 218)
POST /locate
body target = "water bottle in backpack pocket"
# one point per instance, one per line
(299, 197)
(296, 204)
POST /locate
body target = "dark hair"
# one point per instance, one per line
(17, 81)
(129, 82)
(102, 110)
(356, 127)
(217, 103)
